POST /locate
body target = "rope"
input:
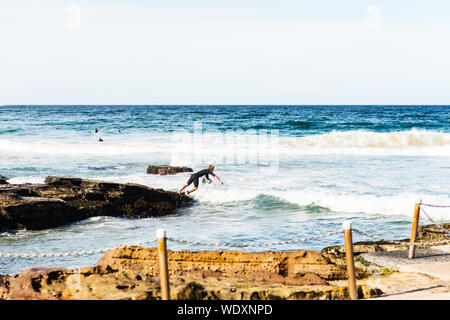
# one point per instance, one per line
(103, 250)
(68, 254)
(433, 205)
(216, 244)
(403, 243)
(44, 255)
(378, 238)
(434, 223)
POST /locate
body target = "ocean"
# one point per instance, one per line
(289, 172)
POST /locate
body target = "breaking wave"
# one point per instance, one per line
(414, 141)
(325, 201)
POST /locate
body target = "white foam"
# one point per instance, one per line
(20, 180)
(353, 203)
(210, 145)
(412, 142)
(337, 201)
(74, 147)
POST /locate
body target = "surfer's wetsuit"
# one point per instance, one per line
(195, 176)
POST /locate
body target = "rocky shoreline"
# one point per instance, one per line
(133, 273)
(62, 200)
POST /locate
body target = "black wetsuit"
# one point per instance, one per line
(195, 176)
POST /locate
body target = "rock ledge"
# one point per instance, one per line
(63, 200)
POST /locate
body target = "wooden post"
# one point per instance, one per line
(163, 266)
(347, 226)
(415, 226)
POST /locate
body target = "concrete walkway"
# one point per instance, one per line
(426, 277)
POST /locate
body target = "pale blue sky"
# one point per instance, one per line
(224, 52)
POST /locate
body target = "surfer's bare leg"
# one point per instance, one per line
(192, 190)
(182, 188)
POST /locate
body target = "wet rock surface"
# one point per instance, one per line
(3, 179)
(63, 200)
(167, 170)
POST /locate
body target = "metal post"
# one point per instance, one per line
(415, 226)
(163, 266)
(347, 226)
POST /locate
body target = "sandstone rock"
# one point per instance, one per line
(85, 283)
(4, 286)
(165, 170)
(133, 273)
(284, 267)
(232, 281)
(64, 200)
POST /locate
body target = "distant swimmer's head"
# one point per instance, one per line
(211, 167)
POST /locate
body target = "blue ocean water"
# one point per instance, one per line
(289, 172)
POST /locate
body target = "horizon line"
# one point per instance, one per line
(243, 105)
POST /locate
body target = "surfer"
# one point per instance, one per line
(195, 177)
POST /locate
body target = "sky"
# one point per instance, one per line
(224, 52)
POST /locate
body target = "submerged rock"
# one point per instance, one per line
(64, 200)
(165, 170)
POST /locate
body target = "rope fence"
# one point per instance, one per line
(211, 244)
(252, 244)
(433, 205)
(434, 223)
(346, 230)
(71, 253)
(418, 208)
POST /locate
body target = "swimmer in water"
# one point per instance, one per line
(195, 177)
